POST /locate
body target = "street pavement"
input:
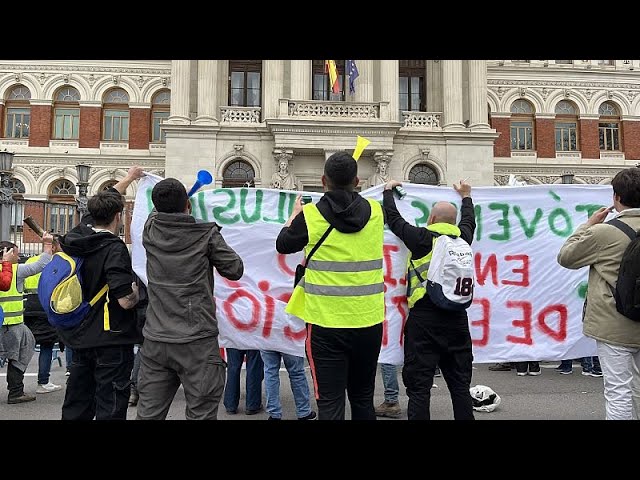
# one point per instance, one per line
(550, 396)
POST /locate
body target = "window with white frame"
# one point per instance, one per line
(18, 112)
(609, 127)
(566, 127)
(115, 116)
(66, 113)
(522, 118)
(160, 106)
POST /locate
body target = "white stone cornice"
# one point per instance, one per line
(139, 105)
(545, 116)
(47, 103)
(559, 83)
(83, 67)
(500, 114)
(589, 116)
(630, 118)
(90, 103)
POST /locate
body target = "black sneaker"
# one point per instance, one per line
(501, 367)
(311, 416)
(273, 418)
(534, 368)
(254, 411)
(21, 399)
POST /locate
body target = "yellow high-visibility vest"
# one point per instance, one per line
(31, 283)
(12, 302)
(343, 285)
(415, 288)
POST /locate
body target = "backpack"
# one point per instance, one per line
(627, 289)
(60, 292)
(451, 274)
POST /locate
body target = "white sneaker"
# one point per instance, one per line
(48, 388)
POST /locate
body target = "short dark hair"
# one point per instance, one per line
(626, 184)
(104, 205)
(8, 245)
(169, 196)
(340, 170)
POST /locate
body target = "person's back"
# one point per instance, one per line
(181, 330)
(601, 247)
(341, 295)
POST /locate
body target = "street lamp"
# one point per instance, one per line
(6, 194)
(83, 186)
(567, 178)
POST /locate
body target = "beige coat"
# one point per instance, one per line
(601, 247)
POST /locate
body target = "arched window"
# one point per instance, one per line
(566, 127)
(423, 173)
(244, 83)
(238, 174)
(18, 117)
(106, 185)
(160, 104)
(62, 186)
(17, 187)
(61, 210)
(66, 108)
(321, 84)
(609, 127)
(522, 125)
(115, 113)
(412, 86)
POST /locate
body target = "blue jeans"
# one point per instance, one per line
(590, 364)
(44, 363)
(68, 356)
(297, 378)
(255, 374)
(390, 382)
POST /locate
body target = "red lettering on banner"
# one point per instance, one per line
(282, 263)
(388, 265)
(525, 322)
(483, 323)
(255, 310)
(289, 332)
(270, 308)
(524, 271)
(491, 267)
(560, 334)
(399, 302)
(231, 283)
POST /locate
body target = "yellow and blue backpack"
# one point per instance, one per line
(60, 292)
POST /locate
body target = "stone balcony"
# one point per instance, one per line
(334, 111)
(422, 120)
(240, 116)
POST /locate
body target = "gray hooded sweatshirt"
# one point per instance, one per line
(181, 256)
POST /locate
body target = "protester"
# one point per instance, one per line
(45, 334)
(102, 346)
(6, 274)
(297, 380)
(141, 317)
(341, 296)
(600, 246)
(528, 368)
(253, 380)
(16, 340)
(390, 407)
(434, 336)
(181, 330)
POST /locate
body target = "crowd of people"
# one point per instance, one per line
(138, 344)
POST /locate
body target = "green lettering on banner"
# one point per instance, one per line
(203, 210)
(149, 200)
(589, 208)
(529, 230)
(425, 212)
(568, 226)
(503, 222)
(243, 206)
(554, 195)
(478, 212)
(218, 211)
(282, 200)
(292, 202)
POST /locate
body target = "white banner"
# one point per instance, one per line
(526, 307)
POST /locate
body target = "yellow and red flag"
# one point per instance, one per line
(333, 75)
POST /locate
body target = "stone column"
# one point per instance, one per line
(180, 85)
(300, 79)
(207, 92)
(434, 86)
(272, 87)
(363, 83)
(389, 86)
(478, 95)
(452, 93)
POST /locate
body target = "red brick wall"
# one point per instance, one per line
(502, 145)
(139, 128)
(545, 143)
(589, 143)
(40, 126)
(631, 140)
(90, 124)
(35, 210)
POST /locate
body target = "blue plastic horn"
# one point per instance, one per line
(204, 178)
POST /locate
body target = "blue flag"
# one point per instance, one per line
(353, 74)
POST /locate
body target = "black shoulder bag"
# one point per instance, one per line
(301, 268)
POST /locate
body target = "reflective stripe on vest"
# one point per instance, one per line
(31, 283)
(416, 289)
(12, 302)
(343, 285)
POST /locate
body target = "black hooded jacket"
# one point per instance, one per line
(106, 260)
(348, 212)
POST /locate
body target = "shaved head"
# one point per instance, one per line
(443, 212)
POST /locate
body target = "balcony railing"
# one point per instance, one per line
(331, 110)
(422, 120)
(240, 115)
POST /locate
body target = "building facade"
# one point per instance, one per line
(248, 121)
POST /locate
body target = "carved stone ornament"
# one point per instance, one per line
(283, 179)
(140, 81)
(500, 92)
(165, 81)
(36, 170)
(91, 79)
(65, 78)
(545, 93)
(238, 147)
(566, 92)
(17, 77)
(522, 91)
(42, 78)
(609, 94)
(115, 79)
